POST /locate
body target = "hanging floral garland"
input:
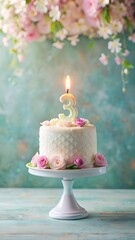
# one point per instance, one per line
(24, 21)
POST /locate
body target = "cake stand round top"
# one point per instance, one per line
(72, 173)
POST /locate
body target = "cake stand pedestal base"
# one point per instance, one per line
(68, 208)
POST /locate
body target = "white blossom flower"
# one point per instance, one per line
(105, 31)
(55, 13)
(103, 3)
(116, 27)
(41, 5)
(58, 44)
(74, 40)
(115, 46)
(126, 71)
(18, 7)
(62, 34)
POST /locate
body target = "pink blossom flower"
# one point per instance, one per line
(94, 22)
(5, 41)
(57, 162)
(103, 59)
(32, 13)
(33, 35)
(100, 160)
(117, 60)
(20, 57)
(80, 122)
(132, 38)
(42, 162)
(78, 162)
(43, 26)
(90, 8)
(125, 53)
(34, 159)
(63, 1)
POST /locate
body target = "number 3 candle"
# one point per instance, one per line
(71, 103)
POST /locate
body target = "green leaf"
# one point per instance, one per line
(47, 18)
(56, 26)
(72, 166)
(114, 36)
(127, 64)
(53, 37)
(28, 1)
(91, 44)
(13, 63)
(105, 14)
(29, 165)
(129, 24)
(13, 51)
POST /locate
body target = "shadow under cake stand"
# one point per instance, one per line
(67, 208)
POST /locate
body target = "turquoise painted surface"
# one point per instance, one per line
(111, 215)
(35, 97)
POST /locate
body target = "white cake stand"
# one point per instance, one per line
(67, 208)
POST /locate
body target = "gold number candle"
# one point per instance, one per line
(71, 103)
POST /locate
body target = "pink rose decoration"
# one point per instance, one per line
(78, 162)
(57, 163)
(80, 122)
(42, 162)
(100, 160)
(35, 159)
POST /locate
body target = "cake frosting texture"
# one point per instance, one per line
(69, 142)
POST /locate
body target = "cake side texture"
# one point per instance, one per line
(69, 142)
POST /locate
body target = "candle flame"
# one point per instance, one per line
(67, 84)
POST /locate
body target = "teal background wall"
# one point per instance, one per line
(27, 101)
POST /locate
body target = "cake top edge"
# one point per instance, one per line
(70, 123)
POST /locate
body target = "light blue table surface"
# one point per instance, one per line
(24, 215)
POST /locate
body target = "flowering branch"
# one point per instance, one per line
(24, 21)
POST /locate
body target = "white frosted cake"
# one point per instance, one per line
(69, 142)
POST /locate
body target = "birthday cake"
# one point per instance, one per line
(67, 142)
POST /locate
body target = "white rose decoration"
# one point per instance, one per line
(57, 162)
